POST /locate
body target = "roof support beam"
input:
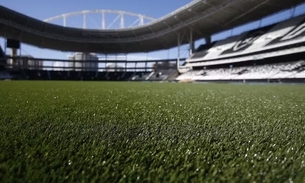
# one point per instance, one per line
(103, 21)
(84, 21)
(64, 21)
(121, 20)
(246, 12)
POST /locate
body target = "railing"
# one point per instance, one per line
(28, 63)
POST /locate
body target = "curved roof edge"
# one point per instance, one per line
(201, 17)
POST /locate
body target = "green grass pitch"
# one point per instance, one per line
(151, 132)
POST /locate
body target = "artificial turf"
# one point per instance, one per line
(151, 132)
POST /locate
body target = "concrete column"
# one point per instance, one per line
(192, 44)
(14, 60)
(178, 51)
(208, 40)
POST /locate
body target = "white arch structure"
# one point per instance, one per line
(139, 18)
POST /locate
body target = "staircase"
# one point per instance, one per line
(172, 76)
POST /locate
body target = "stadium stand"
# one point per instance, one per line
(271, 53)
(2, 59)
(4, 75)
(74, 75)
(286, 33)
(274, 71)
(161, 75)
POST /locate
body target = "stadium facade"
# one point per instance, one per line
(272, 53)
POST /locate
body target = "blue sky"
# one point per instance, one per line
(43, 9)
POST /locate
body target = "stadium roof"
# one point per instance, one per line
(203, 17)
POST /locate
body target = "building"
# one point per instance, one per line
(26, 62)
(83, 62)
(114, 67)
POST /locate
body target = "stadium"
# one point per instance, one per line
(239, 118)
